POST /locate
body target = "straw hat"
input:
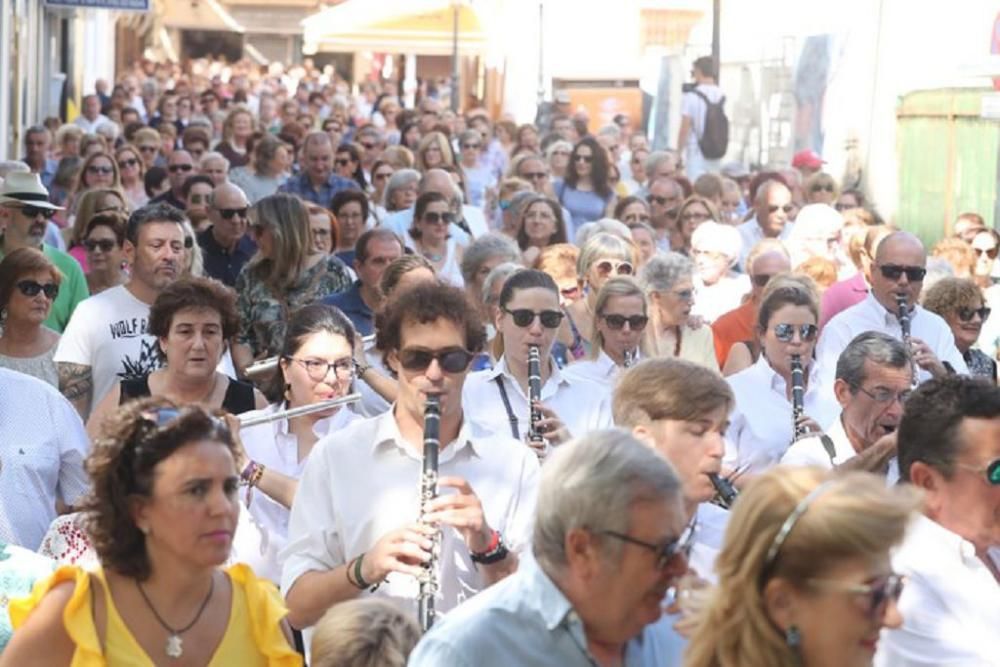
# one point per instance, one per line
(25, 188)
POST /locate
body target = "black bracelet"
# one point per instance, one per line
(359, 581)
(494, 555)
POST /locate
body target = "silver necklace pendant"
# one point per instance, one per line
(174, 646)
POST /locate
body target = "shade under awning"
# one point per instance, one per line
(395, 26)
(200, 15)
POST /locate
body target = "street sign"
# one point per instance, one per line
(120, 5)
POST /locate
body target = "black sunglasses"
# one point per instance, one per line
(785, 332)
(451, 359)
(32, 288)
(130, 162)
(35, 211)
(617, 322)
(105, 245)
(435, 217)
(534, 175)
(524, 317)
(787, 208)
(94, 169)
(583, 158)
(228, 213)
(966, 314)
(914, 274)
(174, 168)
(890, 588)
(819, 188)
(989, 252)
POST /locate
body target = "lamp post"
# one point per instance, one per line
(456, 8)
(716, 55)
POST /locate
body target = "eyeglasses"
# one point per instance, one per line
(451, 359)
(30, 211)
(583, 158)
(148, 149)
(883, 395)
(914, 274)
(761, 280)
(105, 245)
(438, 218)
(174, 168)
(989, 252)
(992, 470)
(786, 332)
(228, 213)
(130, 162)
(819, 187)
(695, 216)
(476, 146)
(661, 201)
(618, 322)
(607, 266)
(319, 369)
(534, 176)
(878, 594)
(32, 288)
(342, 162)
(966, 314)
(524, 317)
(787, 208)
(381, 176)
(104, 171)
(665, 552)
(683, 294)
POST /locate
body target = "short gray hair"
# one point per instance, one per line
(713, 236)
(604, 245)
(656, 158)
(400, 179)
(663, 270)
(499, 273)
(607, 225)
(485, 247)
(212, 155)
(592, 483)
(873, 346)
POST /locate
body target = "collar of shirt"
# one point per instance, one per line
(889, 318)
(350, 300)
(556, 378)
(387, 433)
(936, 541)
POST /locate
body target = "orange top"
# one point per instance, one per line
(731, 328)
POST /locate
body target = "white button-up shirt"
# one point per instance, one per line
(581, 404)
(362, 482)
(709, 531)
(42, 448)
(751, 234)
(760, 427)
(603, 370)
(950, 604)
(274, 446)
(870, 315)
(811, 452)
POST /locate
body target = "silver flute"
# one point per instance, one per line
(903, 313)
(535, 438)
(798, 397)
(299, 411)
(725, 492)
(428, 491)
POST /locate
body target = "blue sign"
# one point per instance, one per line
(121, 5)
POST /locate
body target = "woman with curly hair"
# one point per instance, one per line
(586, 191)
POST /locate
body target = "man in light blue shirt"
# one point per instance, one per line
(606, 548)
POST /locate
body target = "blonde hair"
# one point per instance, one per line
(438, 138)
(668, 388)
(367, 632)
(288, 219)
(619, 286)
(820, 178)
(227, 125)
(600, 246)
(854, 516)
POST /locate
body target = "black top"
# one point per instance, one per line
(221, 264)
(239, 395)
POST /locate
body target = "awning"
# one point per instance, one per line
(203, 15)
(423, 27)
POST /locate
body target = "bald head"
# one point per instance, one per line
(894, 243)
(228, 195)
(900, 262)
(228, 213)
(440, 181)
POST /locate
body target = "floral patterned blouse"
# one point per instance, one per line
(264, 314)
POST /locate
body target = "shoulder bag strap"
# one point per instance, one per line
(514, 431)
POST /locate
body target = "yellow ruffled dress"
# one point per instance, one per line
(252, 638)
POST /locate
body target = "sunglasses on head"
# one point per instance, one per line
(435, 218)
(966, 314)
(451, 359)
(30, 211)
(228, 213)
(617, 322)
(787, 208)
(914, 274)
(104, 245)
(607, 266)
(786, 332)
(174, 168)
(94, 169)
(524, 317)
(583, 158)
(989, 252)
(32, 288)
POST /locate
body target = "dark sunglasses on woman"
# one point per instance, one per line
(32, 288)
(966, 314)
(104, 245)
(523, 317)
(617, 322)
(786, 332)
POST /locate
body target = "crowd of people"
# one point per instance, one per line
(678, 411)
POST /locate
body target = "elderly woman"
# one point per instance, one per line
(478, 178)
(163, 513)
(818, 233)
(285, 274)
(132, 171)
(236, 132)
(632, 210)
(479, 259)
(434, 152)
(402, 190)
(805, 575)
(192, 319)
(715, 249)
(541, 225)
(557, 155)
(619, 322)
(271, 161)
(215, 165)
(668, 281)
(960, 303)
(821, 188)
(763, 424)
(104, 240)
(29, 284)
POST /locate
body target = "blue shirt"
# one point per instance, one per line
(523, 620)
(48, 171)
(221, 264)
(300, 185)
(351, 304)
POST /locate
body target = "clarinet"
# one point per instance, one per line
(798, 398)
(535, 438)
(903, 313)
(629, 358)
(428, 491)
(725, 492)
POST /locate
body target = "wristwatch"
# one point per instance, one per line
(495, 552)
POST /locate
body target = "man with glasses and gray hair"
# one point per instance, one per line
(873, 381)
(607, 546)
(949, 448)
(226, 245)
(772, 216)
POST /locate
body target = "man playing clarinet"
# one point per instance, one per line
(355, 525)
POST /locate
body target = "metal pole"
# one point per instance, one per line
(454, 59)
(716, 10)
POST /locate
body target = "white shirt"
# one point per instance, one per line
(401, 221)
(90, 126)
(950, 604)
(107, 332)
(362, 482)
(713, 301)
(42, 448)
(810, 451)
(603, 370)
(870, 315)
(709, 531)
(276, 448)
(751, 234)
(760, 427)
(582, 405)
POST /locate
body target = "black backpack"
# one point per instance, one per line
(715, 139)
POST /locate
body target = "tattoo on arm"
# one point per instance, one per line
(76, 383)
